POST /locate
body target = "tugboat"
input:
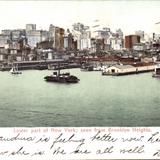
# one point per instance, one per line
(156, 71)
(61, 78)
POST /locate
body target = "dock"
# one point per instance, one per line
(40, 65)
(118, 70)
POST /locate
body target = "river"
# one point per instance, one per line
(26, 100)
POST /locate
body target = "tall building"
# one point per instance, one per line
(52, 30)
(86, 40)
(69, 41)
(102, 33)
(82, 35)
(4, 40)
(35, 36)
(130, 40)
(116, 43)
(7, 32)
(56, 34)
(18, 34)
(80, 27)
(141, 34)
(119, 33)
(44, 35)
(30, 27)
(61, 39)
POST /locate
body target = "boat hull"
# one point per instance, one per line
(156, 75)
(16, 72)
(61, 79)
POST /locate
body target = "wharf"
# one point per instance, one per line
(43, 64)
(119, 70)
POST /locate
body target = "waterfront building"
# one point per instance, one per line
(130, 40)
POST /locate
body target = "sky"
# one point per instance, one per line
(128, 15)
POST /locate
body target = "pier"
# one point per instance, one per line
(118, 70)
(42, 64)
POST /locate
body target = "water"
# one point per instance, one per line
(27, 100)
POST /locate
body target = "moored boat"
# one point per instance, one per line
(14, 70)
(87, 67)
(156, 71)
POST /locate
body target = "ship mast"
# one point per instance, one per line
(58, 69)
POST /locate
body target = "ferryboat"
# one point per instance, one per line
(61, 77)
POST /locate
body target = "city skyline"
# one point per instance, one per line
(129, 16)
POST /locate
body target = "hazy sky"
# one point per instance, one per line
(127, 15)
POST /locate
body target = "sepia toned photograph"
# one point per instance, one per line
(79, 63)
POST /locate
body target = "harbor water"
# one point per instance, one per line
(29, 101)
